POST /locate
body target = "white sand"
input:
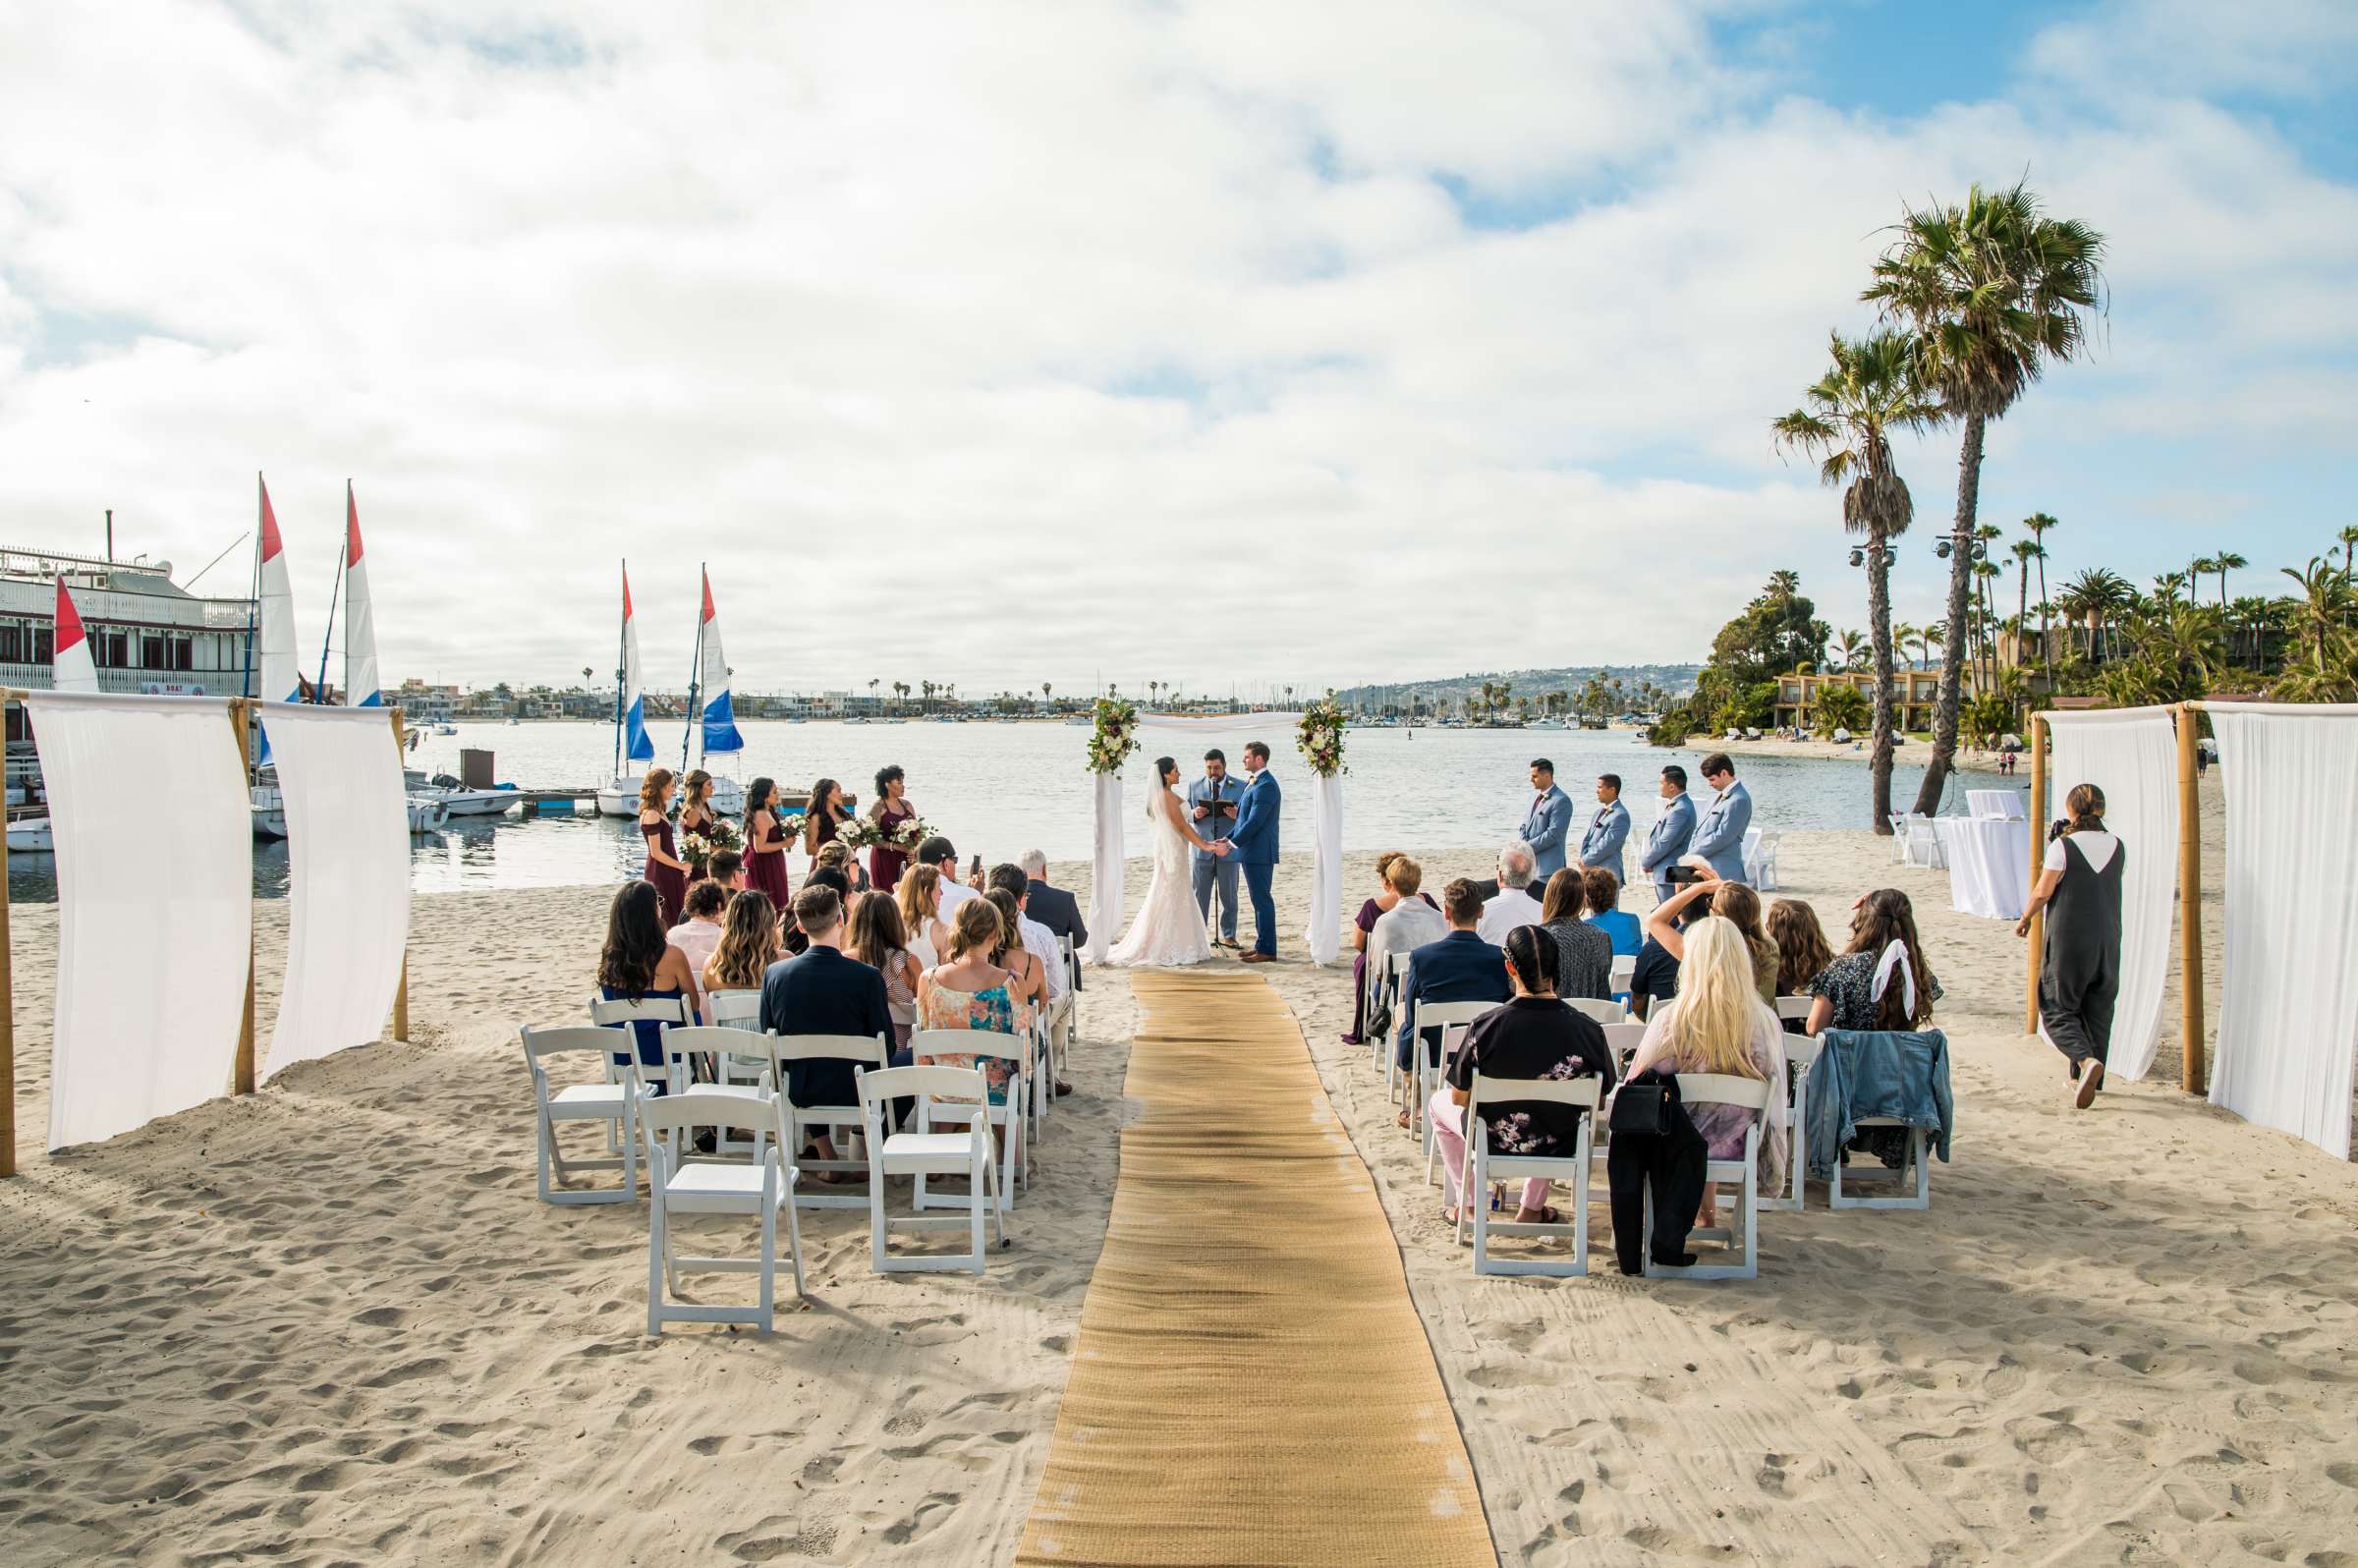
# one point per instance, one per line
(330, 1323)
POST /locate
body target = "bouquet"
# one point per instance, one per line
(911, 833)
(1319, 737)
(1115, 734)
(698, 849)
(859, 833)
(790, 825)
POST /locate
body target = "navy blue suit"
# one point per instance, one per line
(1459, 968)
(1256, 849)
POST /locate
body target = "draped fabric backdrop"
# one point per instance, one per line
(347, 852)
(154, 834)
(1106, 870)
(1324, 936)
(2288, 1003)
(2132, 756)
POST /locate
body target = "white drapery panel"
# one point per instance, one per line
(154, 837)
(1271, 727)
(2131, 753)
(2288, 1004)
(348, 855)
(1324, 936)
(1106, 870)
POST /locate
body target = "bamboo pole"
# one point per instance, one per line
(2038, 942)
(2192, 1077)
(7, 1001)
(242, 1074)
(401, 996)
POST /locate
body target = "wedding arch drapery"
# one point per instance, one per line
(2132, 756)
(347, 852)
(1324, 936)
(153, 829)
(1105, 870)
(2288, 1004)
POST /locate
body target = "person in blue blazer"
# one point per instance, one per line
(1544, 824)
(1719, 835)
(1608, 829)
(1667, 841)
(1256, 841)
(1459, 968)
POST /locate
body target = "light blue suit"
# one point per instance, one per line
(1607, 832)
(1209, 870)
(1719, 836)
(1544, 830)
(1667, 841)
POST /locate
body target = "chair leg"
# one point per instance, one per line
(655, 1248)
(875, 1222)
(770, 1265)
(547, 1152)
(979, 1183)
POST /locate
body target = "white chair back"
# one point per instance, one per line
(735, 1009)
(1582, 1093)
(881, 1085)
(664, 1114)
(1623, 1037)
(1602, 1012)
(1795, 1008)
(1723, 1088)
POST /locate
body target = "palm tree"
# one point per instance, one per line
(2038, 522)
(1995, 291)
(1047, 691)
(2024, 553)
(1870, 390)
(2166, 585)
(2252, 616)
(1852, 650)
(1903, 635)
(1985, 573)
(2319, 613)
(2223, 563)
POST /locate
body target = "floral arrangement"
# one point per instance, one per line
(1114, 736)
(698, 849)
(1319, 737)
(911, 833)
(859, 832)
(790, 825)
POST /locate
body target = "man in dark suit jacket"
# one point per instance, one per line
(1053, 907)
(1459, 968)
(823, 992)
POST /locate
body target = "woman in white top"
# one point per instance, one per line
(919, 898)
(2079, 976)
(1403, 928)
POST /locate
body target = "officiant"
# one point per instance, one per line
(1212, 801)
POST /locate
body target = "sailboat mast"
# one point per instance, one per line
(334, 592)
(621, 650)
(694, 666)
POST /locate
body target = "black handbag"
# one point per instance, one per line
(1642, 1108)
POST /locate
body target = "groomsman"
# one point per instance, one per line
(1719, 836)
(1670, 834)
(1543, 825)
(1212, 801)
(1608, 829)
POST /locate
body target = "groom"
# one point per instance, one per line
(1256, 849)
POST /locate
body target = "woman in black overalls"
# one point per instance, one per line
(2079, 979)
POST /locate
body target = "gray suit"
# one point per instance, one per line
(1667, 841)
(1209, 871)
(1607, 832)
(1544, 829)
(1719, 836)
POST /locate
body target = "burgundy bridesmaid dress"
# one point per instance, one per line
(670, 882)
(885, 865)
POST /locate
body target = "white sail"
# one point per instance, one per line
(71, 667)
(361, 686)
(637, 746)
(277, 679)
(720, 737)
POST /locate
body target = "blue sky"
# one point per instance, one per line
(1458, 326)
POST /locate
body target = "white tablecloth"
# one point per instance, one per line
(2008, 804)
(1989, 865)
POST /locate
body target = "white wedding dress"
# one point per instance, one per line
(1169, 932)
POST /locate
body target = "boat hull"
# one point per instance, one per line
(30, 836)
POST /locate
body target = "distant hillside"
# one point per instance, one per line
(1640, 686)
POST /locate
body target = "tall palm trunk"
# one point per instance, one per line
(2022, 612)
(1878, 634)
(2046, 653)
(1952, 653)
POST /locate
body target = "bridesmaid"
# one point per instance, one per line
(888, 810)
(824, 818)
(664, 868)
(765, 844)
(696, 808)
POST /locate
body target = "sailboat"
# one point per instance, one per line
(430, 808)
(278, 679)
(71, 669)
(712, 728)
(631, 742)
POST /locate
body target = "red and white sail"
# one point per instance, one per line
(279, 678)
(719, 733)
(360, 688)
(71, 669)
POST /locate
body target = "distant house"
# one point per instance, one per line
(146, 633)
(1915, 694)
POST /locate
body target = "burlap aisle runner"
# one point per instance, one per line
(1251, 1384)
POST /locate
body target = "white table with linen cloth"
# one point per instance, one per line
(2008, 804)
(1989, 865)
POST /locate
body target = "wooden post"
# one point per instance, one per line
(2039, 734)
(401, 996)
(2192, 1077)
(242, 1074)
(8, 995)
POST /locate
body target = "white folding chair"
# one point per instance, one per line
(1387, 1002)
(922, 1151)
(1764, 863)
(1482, 1168)
(1451, 1019)
(803, 1121)
(738, 1010)
(609, 1101)
(657, 1010)
(1601, 1011)
(680, 1184)
(1007, 1116)
(735, 1009)
(1742, 1238)
(1625, 974)
(1899, 836)
(1751, 856)
(1801, 1054)
(1917, 1162)
(1924, 845)
(741, 1069)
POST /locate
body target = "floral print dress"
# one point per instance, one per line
(992, 1010)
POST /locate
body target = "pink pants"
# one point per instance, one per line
(1449, 1138)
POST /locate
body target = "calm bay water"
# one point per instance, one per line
(997, 789)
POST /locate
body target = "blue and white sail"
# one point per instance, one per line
(720, 737)
(635, 746)
(360, 688)
(279, 678)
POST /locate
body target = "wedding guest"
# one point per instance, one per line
(637, 964)
(836, 855)
(1054, 908)
(1458, 967)
(1802, 950)
(696, 802)
(766, 843)
(1608, 829)
(1718, 1024)
(824, 991)
(1733, 902)
(1037, 939)
(749, 945)
(1360, 924)
(699, 934)
(1546, 824)
(665, 872)
(1584, 956)
(875, 938)
(1533, 1036)
(1028, 974)
(1718, 841)
(2079, 974)
(1856, 989)
(1600, 893)
(824, 817)
(890, 857)
(1211, 802)
(1512, 904)
(971, 992)
(1655, 979)
(727, 868)
(940, 854)
(1667, 841)
(1413, 921)
(919, 899)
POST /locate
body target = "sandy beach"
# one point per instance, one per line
(330, 1322)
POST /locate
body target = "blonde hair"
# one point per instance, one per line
(918, 895)
(1719, 1007)
(651, 788)
(975, 927)
(834, 851)
(1404, 876)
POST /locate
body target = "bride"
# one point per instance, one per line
(1169, 929)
